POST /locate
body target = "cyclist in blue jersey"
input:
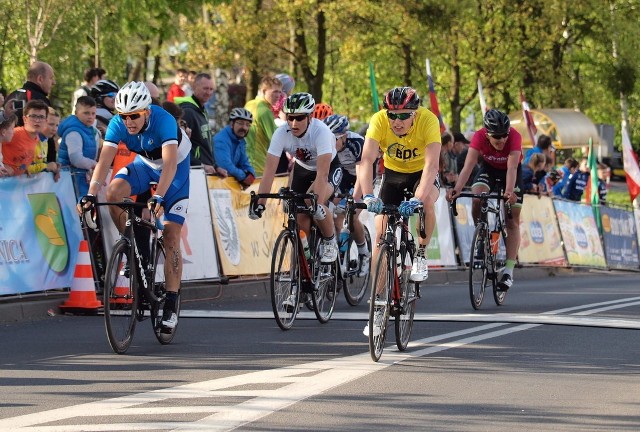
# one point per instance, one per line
(162, 157)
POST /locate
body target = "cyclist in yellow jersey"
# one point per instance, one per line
(409, 137)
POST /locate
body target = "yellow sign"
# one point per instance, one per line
(245, 246)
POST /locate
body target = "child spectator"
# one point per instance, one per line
(574, 188)
(529, 172)
(18, 153)
(79, 144)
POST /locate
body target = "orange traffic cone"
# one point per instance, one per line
(121, 291)
(82, 297)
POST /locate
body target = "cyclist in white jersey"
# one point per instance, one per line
(316, 168)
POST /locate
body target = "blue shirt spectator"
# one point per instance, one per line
(231, 148)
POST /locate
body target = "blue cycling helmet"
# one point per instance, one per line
(337, 123)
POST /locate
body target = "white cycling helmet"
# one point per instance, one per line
(299, 103)
(240, 114)
(133, 96)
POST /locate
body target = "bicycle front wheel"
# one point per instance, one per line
(285, 280)
(120, 297)
(478, 265)
(356, 280)
(325, 282)
(164, 335)
(380, 304)
(404, 319)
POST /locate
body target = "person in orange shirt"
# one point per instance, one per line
(19, 152)
(7, 125)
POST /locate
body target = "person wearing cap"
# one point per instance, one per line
(463, 143)
(544, 145)
(231, 147)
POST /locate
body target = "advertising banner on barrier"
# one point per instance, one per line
(539, 233)
(39, 233)
(441, 249)
(620, 238)
(199, 256)
(579, 234)
(245, 246)
(465, 229)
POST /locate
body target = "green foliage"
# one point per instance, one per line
(580, 54)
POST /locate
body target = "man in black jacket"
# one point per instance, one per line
(195, 115)
(40, 80)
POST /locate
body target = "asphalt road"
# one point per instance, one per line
(560, 355)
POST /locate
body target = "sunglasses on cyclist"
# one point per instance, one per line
(399, 116)
(499, 137)
(133, 116)
(298, 118)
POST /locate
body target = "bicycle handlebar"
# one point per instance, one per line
(481, 196)
(90, 221)
(287, 194)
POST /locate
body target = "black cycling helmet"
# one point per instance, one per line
(104, 88)
(299, 103)
(401, 98)
(496, 122)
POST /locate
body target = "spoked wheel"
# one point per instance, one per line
(478, 271)
(164, 335)
(379, 306)
(120, 298)
(325, 282)
(404, 319)
(285, 281)
(356, 280)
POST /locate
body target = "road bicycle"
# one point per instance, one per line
(296, 273)
(484, 265)
(393, 294)
(353, 280)
(132, 285)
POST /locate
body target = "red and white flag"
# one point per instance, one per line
(434, 99)
(630, 161)
(528, 119)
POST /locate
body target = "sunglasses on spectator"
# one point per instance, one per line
(297, 118)
(36, 117)
(399, 116)
(133, 116)
(499, 136)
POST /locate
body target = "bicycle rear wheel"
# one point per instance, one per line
(325, 283)
(120, 297)
(478, 271)
(285, 280)
(356, 281)
(380, 304)
(164, 335)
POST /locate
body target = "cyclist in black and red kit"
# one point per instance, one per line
(500, 148)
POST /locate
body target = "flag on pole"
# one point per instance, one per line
(630, 163)
(374, 91)
(528, 119)
(591, 191)
(434, 99)
(483, 103)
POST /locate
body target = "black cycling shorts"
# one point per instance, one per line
(394, 185)
(488, 174)
(302, 178)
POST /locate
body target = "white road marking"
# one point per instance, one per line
(297, 383)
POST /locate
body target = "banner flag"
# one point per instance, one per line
(483, 102)
(630, 163)
(434, 99)
(374, 90)
(528, 119)
(592, 195)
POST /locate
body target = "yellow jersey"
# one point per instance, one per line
(405, 154)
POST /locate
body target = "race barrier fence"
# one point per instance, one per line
(40, 233)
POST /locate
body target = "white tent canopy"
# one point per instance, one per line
(566, 127)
